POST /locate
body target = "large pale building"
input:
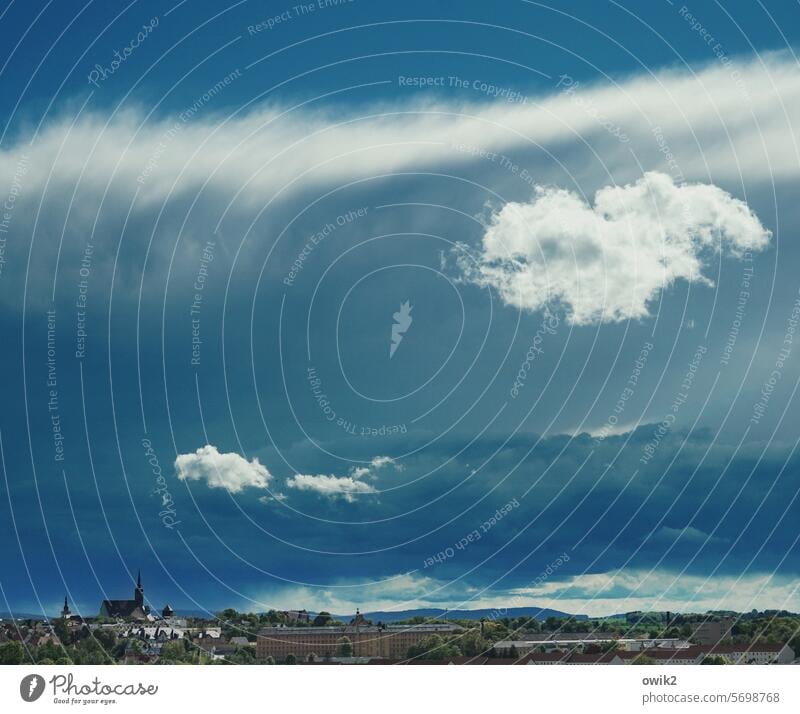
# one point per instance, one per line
(712, 632)
(364, 638)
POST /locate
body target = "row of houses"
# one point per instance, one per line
(213, 648)
(756, 653)
(508, 648)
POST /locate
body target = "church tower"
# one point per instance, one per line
(65, 613)
(138, 594)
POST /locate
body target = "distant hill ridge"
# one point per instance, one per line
(536, 613)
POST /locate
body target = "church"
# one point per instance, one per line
(129, 609)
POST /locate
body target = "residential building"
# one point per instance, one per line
(758, 653)
(296, 615)
(503, 647)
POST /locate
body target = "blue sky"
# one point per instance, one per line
(208, 240)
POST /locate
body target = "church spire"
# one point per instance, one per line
(138, 594)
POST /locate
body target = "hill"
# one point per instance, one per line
(536, 613)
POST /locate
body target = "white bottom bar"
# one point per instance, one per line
(386, 689)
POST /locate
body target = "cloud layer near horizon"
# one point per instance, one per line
(593, 594)
(606, 262)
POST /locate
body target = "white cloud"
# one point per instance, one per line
(229, 471)
(377, 463)
(606, 262)
(346, 487)
(267, 500)
(380, 461)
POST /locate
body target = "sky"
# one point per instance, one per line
(390, 305)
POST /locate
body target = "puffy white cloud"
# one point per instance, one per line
(229, 471)
(606, 262)
(346, 487)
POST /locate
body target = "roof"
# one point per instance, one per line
(754, 647)
(691, 653)
(478, 659)
(695, 651)
(592, 658)
(122, 608)
(590, 640)
(347, 629)
(568, 636)
(545, 657)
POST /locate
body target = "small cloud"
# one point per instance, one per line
(380, 461)
(377, 463)
(277, 496)
(602, 432)
(229, 471)
(688, 534)
(345, 487)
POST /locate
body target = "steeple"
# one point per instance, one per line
(65, 613)
(138, 594)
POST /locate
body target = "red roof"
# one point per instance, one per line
(593, 658)
(666, 654)
(754, 647)
(545, 657)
